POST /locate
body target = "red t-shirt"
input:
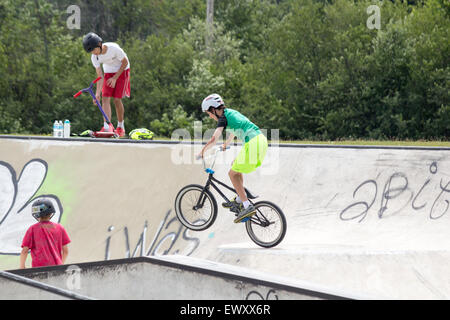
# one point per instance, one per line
(46, 240)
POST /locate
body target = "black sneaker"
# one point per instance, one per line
(234, 206)
(245, 213)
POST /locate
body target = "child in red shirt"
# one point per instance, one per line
(46, 240)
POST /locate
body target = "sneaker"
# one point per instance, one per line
(111, 128)
(245, 213)
(233, 205)
(120, 132)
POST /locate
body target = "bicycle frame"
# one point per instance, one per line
(212, 182)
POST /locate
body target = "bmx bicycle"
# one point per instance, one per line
(196, 209)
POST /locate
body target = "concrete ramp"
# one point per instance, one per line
(372, 221)
(164, 278)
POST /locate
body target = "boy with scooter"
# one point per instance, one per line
(116, 80)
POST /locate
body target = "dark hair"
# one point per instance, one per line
(221, 107)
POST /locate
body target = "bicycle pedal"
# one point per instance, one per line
(245, 219)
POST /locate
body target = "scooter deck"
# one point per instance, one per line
(99, 134)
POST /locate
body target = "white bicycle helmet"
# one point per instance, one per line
(213, 100)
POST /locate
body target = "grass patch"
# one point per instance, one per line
(412, 143)
(419, 143)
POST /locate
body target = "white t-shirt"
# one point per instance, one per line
(112, 59)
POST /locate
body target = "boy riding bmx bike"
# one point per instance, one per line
(249, 158)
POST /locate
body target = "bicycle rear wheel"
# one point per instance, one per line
(196, 207)
(267, 227)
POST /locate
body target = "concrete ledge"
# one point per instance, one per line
(281, 145)
(165, 277)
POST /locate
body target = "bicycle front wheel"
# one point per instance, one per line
(196, 207)
(267, 227)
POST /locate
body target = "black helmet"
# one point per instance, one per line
(90, 41)
(42, 208)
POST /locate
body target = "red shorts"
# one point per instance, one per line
(122, 88)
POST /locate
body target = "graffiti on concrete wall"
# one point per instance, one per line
(397, 189)
(256, 295)
(16, 197)
(18, 192)
(171, 237)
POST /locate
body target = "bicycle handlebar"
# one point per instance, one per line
(77, 94)
(215, 156)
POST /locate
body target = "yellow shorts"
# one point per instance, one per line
(251, 155)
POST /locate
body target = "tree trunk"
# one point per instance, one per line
(209, 25)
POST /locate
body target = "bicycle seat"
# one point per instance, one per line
(250, 195)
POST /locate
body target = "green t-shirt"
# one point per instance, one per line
(238, 124)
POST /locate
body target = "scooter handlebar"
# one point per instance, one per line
(97, 80)
(77, 94)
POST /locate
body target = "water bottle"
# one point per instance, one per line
(60, 129)
(66, 128)
(55, 128)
